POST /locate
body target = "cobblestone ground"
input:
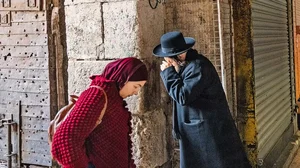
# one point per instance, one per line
(296, 161)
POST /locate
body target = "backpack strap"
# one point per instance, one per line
(105, 105)
(64, 112)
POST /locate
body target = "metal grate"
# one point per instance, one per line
(272, 72)
(197, 19)
(297, 12)
(209, 22)
(201, 20)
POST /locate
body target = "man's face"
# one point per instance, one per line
(178, 58)
(182, 57)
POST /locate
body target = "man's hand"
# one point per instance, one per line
(173, 62)
(164, 65)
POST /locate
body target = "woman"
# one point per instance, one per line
(76, 143)
(202, 122)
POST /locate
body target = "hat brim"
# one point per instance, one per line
(157, 51)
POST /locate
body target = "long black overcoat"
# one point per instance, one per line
(207, 134)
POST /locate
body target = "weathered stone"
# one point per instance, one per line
(149, 138)
(150, 28)
(84, 30)
(79, 73)
(151, 127)
(120, 29)
(73, 2)
(133, 104)
(100, 51)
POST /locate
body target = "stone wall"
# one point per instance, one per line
(98, 32)
(83, 37)
(101, 31)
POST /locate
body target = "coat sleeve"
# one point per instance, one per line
(68, 142)
(185, 88)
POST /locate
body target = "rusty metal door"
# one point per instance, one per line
(24, 83)
(296, 9)
(297, 46)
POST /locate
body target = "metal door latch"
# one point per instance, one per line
(10, 124)
(7, 122)
(1, 123)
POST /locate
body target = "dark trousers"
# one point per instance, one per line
(91, 165)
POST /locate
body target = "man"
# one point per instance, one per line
(202, 122)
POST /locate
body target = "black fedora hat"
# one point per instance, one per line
(173, 43)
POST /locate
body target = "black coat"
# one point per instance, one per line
(207, 133)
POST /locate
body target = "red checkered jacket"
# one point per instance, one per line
(109, 144)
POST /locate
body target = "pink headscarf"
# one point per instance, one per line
(126, 69)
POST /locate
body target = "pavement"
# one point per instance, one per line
(296, 160)
(293, 159)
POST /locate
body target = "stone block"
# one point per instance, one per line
(79, 73)
(133, 103)
(151, 27)
(84, 30)
(149, 139)
(120, 29)
(73, 2)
